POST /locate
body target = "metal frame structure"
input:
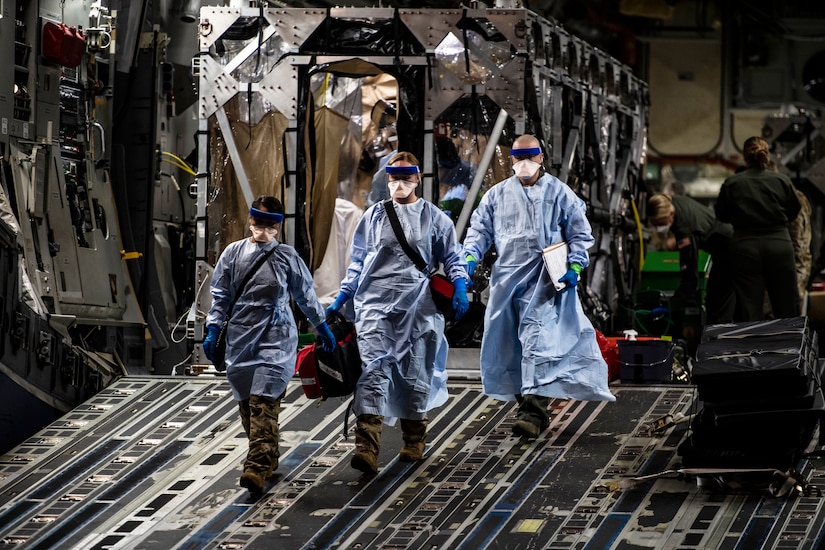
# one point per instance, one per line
(588, 110)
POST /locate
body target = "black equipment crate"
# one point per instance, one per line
(754, 430)
(702, 457)
(756, 361)
(757, 329)
(645, 361)
(778, 402)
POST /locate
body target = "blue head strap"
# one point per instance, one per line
(266, 216)
(527, 152)
(402, 170)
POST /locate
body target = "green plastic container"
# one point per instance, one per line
(305, 339)
(661, 271)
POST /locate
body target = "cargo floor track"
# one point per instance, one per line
(153, 463)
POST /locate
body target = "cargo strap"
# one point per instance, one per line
(346, 417)
(783, 484)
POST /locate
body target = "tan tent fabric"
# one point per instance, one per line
(262, 155)
(330, 128)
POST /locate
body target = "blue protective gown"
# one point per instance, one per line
(262, 337)
(536, 340)
(400, 331)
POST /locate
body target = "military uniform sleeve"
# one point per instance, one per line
(689, 268)
(722, 207)
(792, 206)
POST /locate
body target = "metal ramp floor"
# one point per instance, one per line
(153, 463)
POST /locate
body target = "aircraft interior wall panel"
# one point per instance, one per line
(10, 60)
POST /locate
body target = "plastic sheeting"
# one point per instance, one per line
(461, 134)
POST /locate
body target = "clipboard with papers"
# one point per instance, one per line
(555, 261)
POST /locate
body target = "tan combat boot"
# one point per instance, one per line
(367, 443)
(263, 454)
(414, 433)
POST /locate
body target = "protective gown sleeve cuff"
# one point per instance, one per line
(576, 267)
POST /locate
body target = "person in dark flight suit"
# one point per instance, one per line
(759, 203)
(695, 227)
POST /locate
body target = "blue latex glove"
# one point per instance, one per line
(210, 340)
(460, 302)
(659, 312)
(471, 264)
(336, 306)
(570, 279)
(326, 337)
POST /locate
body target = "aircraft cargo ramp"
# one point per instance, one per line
(153, 463)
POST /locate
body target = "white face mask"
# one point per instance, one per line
(263, 233)
(401, 189)
(526, 169)
(662, 228)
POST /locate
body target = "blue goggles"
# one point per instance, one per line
(402, 170)
(527, 152)
(273, 217)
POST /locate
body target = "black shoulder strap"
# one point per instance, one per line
(399, 234)
(248, 276)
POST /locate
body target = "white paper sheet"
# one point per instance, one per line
(555, 260)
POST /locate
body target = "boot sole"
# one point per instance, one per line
(406, 455)
(247, 482)
(360, 464)
(523, 428)
(403, 457)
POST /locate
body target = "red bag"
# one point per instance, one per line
(339, 371)
(63, 44)
(306, 367)
(330, 374)
(610, 353)
(442, 290)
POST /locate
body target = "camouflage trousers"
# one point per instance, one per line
(259, 416)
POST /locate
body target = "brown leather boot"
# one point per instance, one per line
(367, 443)
(414, 433)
